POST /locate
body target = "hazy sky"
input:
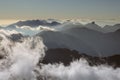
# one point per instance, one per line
(36, 9)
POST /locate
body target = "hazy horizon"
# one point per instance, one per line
(101, 23)
(103, 10)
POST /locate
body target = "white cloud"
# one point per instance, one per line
(35, 28)
(79, 70)
(21, 58)
(8, 32)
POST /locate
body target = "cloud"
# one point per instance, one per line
(79, 70)
(36, 28)
(20, 58)
(8, 32)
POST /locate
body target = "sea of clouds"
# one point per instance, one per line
(20, 62)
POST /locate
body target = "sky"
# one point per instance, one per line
(59, 9)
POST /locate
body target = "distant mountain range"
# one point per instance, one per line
(34, 23)
(49, 23)
(91, 38)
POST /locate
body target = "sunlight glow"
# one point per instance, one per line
(7, 22)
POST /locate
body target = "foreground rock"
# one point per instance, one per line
(66, 56)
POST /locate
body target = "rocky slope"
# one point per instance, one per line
(66, 56)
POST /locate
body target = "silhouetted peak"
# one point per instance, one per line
(117, 25)
(93, 22)
(117, 31)
(35, 23)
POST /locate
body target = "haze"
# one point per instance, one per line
(60, 9)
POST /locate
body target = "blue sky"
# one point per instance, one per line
(36, 9)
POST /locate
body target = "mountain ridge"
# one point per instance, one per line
(66, 56)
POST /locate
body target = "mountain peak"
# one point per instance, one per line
(93, 22)
(35, 23)
(94, 26)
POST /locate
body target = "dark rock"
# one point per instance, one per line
(93, 22)
(66, 56)
(60, 55)
(16, 37)
(34, 23)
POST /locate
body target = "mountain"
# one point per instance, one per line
(94, 26)
(117, 31)
(35, 23)
(55, 39)
(66, 56)
(84, 40)
(113, 28)
(60, 55)
(104, 43)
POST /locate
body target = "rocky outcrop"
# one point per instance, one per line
(66, 56)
